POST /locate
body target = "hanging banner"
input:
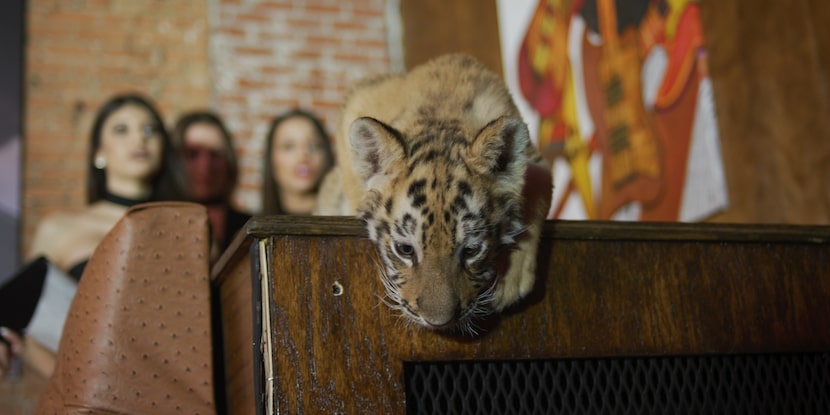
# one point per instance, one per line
(619, 101)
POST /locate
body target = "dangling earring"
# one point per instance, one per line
(100, 162)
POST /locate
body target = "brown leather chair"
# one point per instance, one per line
(137, 339)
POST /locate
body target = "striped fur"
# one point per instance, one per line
(434, 162)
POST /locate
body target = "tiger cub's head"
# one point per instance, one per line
(441, 204)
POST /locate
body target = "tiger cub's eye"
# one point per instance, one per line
(471, 251)
(404, 249)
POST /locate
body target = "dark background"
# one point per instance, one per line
(11, 69)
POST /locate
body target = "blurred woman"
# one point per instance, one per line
(298, 155)
(130, 161)
(210, 162)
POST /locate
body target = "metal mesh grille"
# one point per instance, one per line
(752, 384)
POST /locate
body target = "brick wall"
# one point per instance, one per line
(271, 56)
(77, 55)
(247, 59)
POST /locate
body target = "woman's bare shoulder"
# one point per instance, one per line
(56, 223)
(66, 235)
(97, 215)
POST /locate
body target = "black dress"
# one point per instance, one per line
(234, 221)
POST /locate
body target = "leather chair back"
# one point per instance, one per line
(137, 339)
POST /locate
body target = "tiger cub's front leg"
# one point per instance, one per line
(518, 281)
(519, 278)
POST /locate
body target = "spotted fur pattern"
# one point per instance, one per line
(434, 162)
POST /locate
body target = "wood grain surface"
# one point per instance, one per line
(768, 61)
(604, 289)
(232, 280)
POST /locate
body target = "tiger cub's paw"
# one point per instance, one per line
(518, 281)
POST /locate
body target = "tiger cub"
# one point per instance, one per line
(434, 161)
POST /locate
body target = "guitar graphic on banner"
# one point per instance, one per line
(631, 163)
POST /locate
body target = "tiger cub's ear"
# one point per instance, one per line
(499, 150)
(375, 148)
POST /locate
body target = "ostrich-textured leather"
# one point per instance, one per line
(137, 339)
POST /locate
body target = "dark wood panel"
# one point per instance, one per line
(621, 290)
(768, 62)
(266, 226)
(435, 27)
(232, 277)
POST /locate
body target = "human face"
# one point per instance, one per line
(297, 156)
(206, 162)
(131, 145)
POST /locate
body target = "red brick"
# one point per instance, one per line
(312, 8)
(349, 25)
(323, 41)
(250, 18)
(85, 51)
(251, 50)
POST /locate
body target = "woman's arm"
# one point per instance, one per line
(11, 348)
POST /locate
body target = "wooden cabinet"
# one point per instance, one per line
(605, 290)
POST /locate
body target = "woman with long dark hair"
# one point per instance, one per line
(130, 161)
(298, 154)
